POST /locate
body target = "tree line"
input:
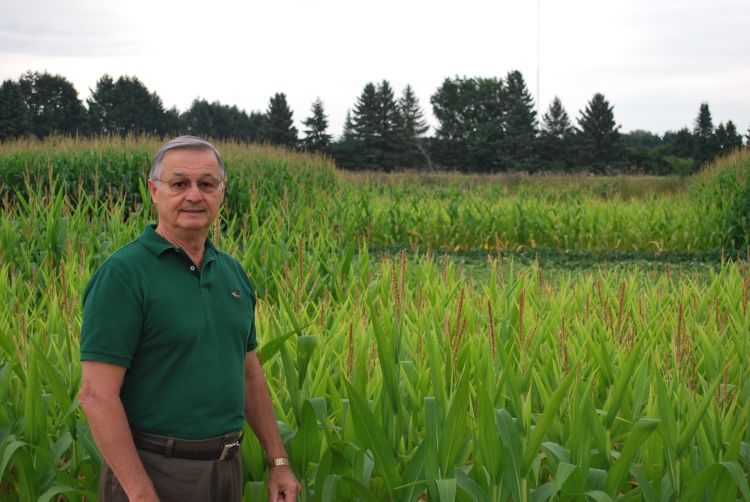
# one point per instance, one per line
(484, 125)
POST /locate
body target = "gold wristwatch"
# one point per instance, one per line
(279, 461)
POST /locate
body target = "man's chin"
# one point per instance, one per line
(194, 223)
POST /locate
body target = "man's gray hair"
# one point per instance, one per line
(185, 142)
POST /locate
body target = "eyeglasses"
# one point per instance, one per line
(180, 185)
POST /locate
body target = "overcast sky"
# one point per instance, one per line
(654, 60)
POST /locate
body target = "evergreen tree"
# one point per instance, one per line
(734, 139)
(374, 125)
(721, 139)
(53, 104)
(520, 123)
(15, 120)
(556, 137)
(346, 150)
(348, 132)
(125, 106)
(598, 134)
(364, 138)
(278, 126)
(255, 125)
(412, 128)
(703, 133)
(316, 137)
(389, 120)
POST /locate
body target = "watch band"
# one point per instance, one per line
(279, 461)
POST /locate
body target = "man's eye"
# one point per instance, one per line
(206, 185)
(178, 184)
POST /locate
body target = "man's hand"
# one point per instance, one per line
(282, 484)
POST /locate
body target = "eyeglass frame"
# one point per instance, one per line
(222, 182)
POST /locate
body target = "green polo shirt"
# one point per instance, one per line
(181, 332)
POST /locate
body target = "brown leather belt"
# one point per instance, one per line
(218, 448)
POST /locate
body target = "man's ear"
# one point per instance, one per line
(152, 187)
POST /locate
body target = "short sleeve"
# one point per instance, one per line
(112, 318)
(252, 341)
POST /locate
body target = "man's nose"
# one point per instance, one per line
(193, 192)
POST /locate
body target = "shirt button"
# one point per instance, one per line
(192, 268)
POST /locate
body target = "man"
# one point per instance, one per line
(167, 346)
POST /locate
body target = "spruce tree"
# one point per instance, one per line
(556, 137)
(598, 134)
(255, 125)
(365, 122)
(348, 132)
(412, 128)
(726, 138)
(520, 123)
(703, 133)
(316, 137)
(721, 139)
(346, 150)
(734, 139)
(278, 127)
(388, 130)
(374, 124)
(15, 120)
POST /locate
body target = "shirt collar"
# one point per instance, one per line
(157, 245)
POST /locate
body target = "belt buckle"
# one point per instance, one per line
(229, 450)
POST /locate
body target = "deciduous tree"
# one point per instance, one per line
(125, 106)
(53, 104)
(216, 120)
(15, 119)
(471, 116)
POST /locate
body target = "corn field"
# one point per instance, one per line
(404, 376)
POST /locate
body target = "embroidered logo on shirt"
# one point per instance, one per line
(235, 293)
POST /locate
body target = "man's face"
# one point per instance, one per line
(191, 209)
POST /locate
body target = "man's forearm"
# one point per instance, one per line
(261, 417)
(111, 431)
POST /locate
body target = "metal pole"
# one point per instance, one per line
(538, 50)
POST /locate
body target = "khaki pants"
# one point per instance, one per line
(181, 480)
